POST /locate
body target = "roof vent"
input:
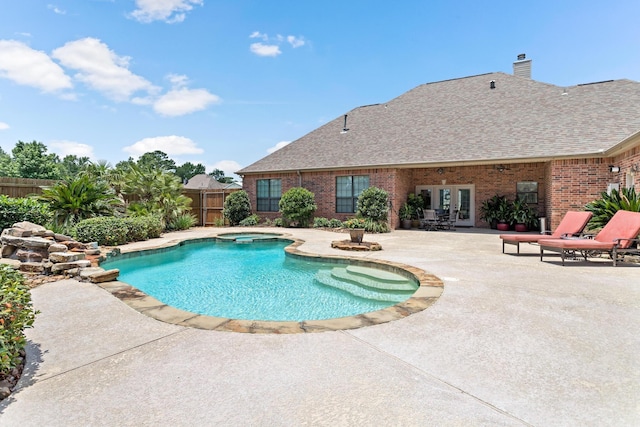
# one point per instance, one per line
(522, 67)
(492, 84)
(344, 128)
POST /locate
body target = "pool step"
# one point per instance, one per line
(327, 278)
(374, 278)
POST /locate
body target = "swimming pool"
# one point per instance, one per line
(259, 281)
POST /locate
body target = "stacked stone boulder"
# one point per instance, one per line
(44, 252)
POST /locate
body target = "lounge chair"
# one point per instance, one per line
(619, 236)
(571, 225)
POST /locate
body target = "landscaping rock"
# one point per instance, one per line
(65, 257)
(4, 392)
(16, 232)
(8, 251)
(32, 267)
(29, 256)
(58, 247)
(64, 266)
(92, 251)
(62, 237)
(86, 272)
(104, 276)
(36, 230)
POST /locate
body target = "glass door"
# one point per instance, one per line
(447, 197)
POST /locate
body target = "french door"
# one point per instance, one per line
(460, 197)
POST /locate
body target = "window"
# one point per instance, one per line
(269, 191)
(348, 188)
(527, 191)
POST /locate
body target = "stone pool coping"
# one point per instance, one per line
(429, 290)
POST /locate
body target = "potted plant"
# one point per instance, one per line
(524, 216)
(415, 202)
(504, 214)
(489, 210)
(356, 229)
(405, 216)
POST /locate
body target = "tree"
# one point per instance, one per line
(188, 170)
(154, 192)
(32, 161)
(237, 207)
(80, 198)
(72, 166)
(157, 160)
(219, 176)
(297, 206)
(7, 167)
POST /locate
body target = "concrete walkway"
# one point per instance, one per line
(511, 341)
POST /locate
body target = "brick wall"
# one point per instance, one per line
(562, 184)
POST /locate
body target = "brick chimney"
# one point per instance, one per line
(522, 67)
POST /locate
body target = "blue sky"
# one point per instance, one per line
(223, 83)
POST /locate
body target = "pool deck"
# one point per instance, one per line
(511, 341)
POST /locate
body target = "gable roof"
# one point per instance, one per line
(465, 121)
(204, 181)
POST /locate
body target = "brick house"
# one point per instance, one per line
(458, 142)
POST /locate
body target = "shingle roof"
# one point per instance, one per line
(204, 181)
(464, 121)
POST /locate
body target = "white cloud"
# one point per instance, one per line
(278, 146)
(178, 102)
(169, 11)
(56, 9)
(171, 145)
(265, 49)
(259, 35)
(65, 148)
(4, 126)
(26, 66)
(178, 80)
(270, 46)
(101, 69)
(295, 41)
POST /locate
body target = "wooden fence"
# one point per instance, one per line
(23, 187)
(207, 205)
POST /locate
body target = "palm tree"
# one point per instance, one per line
(80, 198)
(154, 192)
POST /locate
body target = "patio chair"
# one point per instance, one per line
(619, 236)
(448, 222)
(572, 224)
(429, 220)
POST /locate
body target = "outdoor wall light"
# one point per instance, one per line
(614, 169)
(500, 168)
(635, 168)
(440, 171)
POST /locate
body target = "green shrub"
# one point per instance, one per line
(373, 204)
(109, 231)
(218, 222)
(605, 207)
(183, 221)
(16, 314)
(113, 231)
(250, 221)
(136, 228)
(297, 206)
(335, 223)
(320, 222)
(371, 226)
(14, 210)
(278, 222)
(237, 207)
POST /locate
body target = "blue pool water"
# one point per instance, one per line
(255, 281)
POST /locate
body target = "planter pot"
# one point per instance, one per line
(522, 227)
(405, 223)
(415, 223)
(494, 224)
(503, 226)
(356, 234)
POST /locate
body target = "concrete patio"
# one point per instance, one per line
(511, 341)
